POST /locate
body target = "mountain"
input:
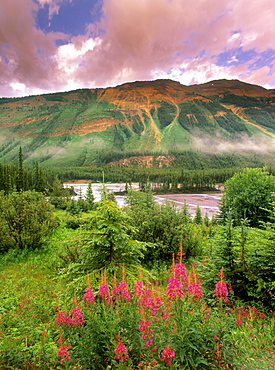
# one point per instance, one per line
(84, 127)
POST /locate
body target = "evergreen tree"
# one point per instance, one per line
(198, 216)
(20, 177)
(7, 186)
(57, 188)
(26, 219)
(106, 242)
(73, 208)
(89, 197)
(39, 179)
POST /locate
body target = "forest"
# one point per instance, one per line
(87, 284)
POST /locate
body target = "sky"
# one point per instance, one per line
(62, 45)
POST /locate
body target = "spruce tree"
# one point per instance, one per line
(89, 197)
(7, 186)
(39, 180)
(20, 176)
(198, 216)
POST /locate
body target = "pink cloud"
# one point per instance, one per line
(255, 19)
(134, 40)
(142, 37)
(260, 76)
(26, 52)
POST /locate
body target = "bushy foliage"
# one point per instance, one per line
(246, 255)
(105, 241)
(26, 220)
(162, 225)
(248, 195)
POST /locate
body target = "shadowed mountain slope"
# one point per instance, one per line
(157, 117)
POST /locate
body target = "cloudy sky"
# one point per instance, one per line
(61, 45)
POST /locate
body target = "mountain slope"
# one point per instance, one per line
(161, 116)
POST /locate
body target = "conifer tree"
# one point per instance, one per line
(20, 176)
(89, 197)
(7, 187)
(73, 208)
(198, 216)
(39, 181)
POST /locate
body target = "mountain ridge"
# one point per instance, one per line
(138, 117)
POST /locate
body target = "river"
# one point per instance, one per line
(208, 202)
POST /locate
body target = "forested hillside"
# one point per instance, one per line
(91, 126)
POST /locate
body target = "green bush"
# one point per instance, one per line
(247, 257)
(75, 221)
(26, 220)
(248, 195)
(164, 226)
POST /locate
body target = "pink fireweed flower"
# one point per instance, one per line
(194, 290)
(115, 292)
(89, 296)
(63, 319)
(149, 303)
(174, 289)
(138, 288)
(239, 320)
(221, 291)
(77, 317)
(104, 292)
(124, 291)
(145, 298)
(147, 344)
(167, 354)
(180, 271)
(144, 326)
(121, 291)
(155, 305)
(63, 351)
(121, 352)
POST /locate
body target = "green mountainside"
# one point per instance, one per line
(162, 117)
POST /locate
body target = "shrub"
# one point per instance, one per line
(248, 194)
(26, 220)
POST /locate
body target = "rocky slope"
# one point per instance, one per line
(161, 117)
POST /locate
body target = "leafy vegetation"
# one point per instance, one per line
(105, 241)
(90, 285)
(146, 286)
(248, 195)
(26, 220)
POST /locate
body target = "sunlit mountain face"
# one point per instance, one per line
(161, 117)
